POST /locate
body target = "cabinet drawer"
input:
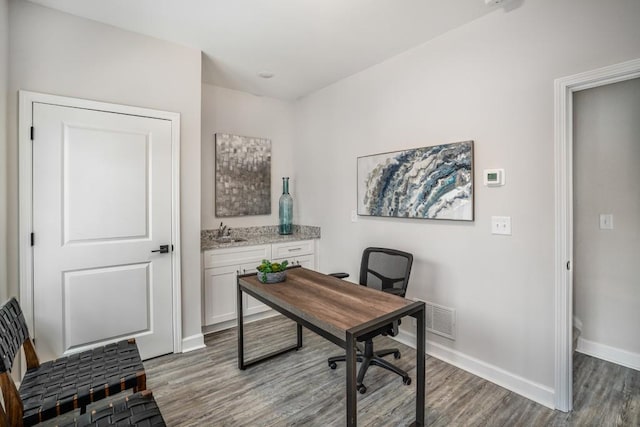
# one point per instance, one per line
(236, 256)
(289, 249)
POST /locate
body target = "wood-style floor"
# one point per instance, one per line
(205, 388)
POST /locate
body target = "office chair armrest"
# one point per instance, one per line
(340, 275)
(395, 328)
(392, 329)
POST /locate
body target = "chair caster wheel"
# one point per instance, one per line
(362, 389)
(407, 380)
(397, 355)
(333, 365)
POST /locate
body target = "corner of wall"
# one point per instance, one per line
(4, 83)
(193, 342)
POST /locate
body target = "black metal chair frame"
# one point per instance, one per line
(366, 355)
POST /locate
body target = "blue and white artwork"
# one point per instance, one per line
(429, 182)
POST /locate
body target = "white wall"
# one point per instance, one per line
(241, 113)
(606, 176)
(490, 81)
(4, 81)
(53, 52)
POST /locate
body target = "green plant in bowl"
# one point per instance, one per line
(269, 267)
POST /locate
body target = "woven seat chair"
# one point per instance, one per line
(52, 388)
(139, 409)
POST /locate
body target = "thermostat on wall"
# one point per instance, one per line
(493, 177)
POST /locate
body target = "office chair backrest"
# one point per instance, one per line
(384, 269)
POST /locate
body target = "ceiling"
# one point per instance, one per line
(306, 44)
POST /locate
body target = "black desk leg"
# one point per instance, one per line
(352, 410)
(299, 332)
(240, 328)
(420, 359)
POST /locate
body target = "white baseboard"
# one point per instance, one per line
(537, 392)
(193, 342)
(608, 353)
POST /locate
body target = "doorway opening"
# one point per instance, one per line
(564, 91)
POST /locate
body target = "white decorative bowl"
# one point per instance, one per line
(280, 276)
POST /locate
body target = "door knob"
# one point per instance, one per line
(163, 249)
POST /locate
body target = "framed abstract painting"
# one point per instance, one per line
(429, 183)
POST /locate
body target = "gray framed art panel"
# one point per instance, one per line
(243, 175)
(429, 183)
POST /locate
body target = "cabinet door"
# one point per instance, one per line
(220, 294)
(307, 261)
(252, 305)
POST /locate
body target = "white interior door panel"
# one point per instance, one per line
(101, 205)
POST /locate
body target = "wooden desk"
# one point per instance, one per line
(340, 312)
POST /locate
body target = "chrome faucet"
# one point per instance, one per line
(222, 229)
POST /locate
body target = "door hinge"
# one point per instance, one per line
(32, 132)
(33, 239)
(568, 265)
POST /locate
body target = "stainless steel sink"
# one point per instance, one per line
(229, 239)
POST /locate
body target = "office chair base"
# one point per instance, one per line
(369, 357)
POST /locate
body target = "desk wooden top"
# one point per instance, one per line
(332, 304)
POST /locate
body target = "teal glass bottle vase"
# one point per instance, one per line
(286, 209)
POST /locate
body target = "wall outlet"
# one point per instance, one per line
(354, 216)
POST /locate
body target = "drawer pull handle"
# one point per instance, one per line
(295, 249)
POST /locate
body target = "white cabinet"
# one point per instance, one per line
(297, 253)
(236, 256)
(219, 294)
(252, 305)
(221, 268)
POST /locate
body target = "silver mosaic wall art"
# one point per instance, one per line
(243, 175)
(430, 183)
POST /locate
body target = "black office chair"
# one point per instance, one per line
(387, 270)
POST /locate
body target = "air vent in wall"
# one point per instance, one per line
(440, 320)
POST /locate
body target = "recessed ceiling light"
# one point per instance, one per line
(266, 74)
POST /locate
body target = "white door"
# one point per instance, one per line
(101, 206)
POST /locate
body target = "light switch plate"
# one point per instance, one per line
(606, 222)
(501, 225)
(354, 216)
